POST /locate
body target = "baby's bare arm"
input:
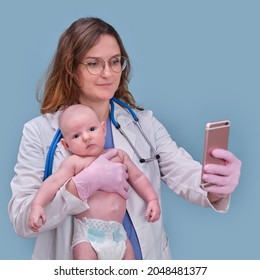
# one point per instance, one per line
(137, 179)
(143, 187)
(47, 192)
(54, 182)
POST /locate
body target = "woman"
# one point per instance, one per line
(85, 70)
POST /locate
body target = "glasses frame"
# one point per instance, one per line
(123, 67)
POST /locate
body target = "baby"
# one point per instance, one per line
(98, 231)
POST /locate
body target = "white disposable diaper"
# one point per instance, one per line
(107, 238)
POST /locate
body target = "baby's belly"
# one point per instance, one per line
(105, 206)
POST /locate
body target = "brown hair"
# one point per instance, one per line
(61, 88)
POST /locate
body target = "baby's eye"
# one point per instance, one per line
(93, 128)
(75, 136)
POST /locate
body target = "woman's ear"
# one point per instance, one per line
(64, 144)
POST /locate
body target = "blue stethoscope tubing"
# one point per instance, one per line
(58, 136)
(50, 155)
(136, 122)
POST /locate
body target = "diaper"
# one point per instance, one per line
(107, 238)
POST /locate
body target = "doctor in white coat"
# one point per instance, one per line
(85, 70)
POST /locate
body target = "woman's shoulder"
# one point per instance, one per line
(42, 127)
(44, 121)
(145, 113)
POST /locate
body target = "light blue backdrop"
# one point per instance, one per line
(193, 62)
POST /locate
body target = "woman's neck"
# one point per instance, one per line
(101, 109)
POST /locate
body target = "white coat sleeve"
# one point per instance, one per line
(181, 172)
(27, 180)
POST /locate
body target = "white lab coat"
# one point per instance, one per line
(176, 168)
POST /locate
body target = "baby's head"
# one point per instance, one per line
(83, 133)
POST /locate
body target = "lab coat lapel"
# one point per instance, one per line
(125, 120)
(54, 119)
(55, 125)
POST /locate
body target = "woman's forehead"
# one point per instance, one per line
(107, 46)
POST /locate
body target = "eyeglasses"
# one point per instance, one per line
(96, 65)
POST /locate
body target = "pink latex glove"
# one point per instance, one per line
(104, 175)
(224, 177)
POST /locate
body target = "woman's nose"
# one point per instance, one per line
(107, 71)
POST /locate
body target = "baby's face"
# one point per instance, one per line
(84, 134)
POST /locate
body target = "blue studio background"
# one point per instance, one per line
(193, 62)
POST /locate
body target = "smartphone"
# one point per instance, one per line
(216, 136)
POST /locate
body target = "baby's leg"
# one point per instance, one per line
(84, 251)
(129, 251)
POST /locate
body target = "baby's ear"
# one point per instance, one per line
(104, 126)
(64, 144)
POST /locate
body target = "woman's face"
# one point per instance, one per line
(102, 86)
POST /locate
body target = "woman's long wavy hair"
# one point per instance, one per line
(60, 87)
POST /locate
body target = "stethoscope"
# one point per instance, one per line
(58, 136)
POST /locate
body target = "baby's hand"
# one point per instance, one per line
(153, 211)
(37, 218)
